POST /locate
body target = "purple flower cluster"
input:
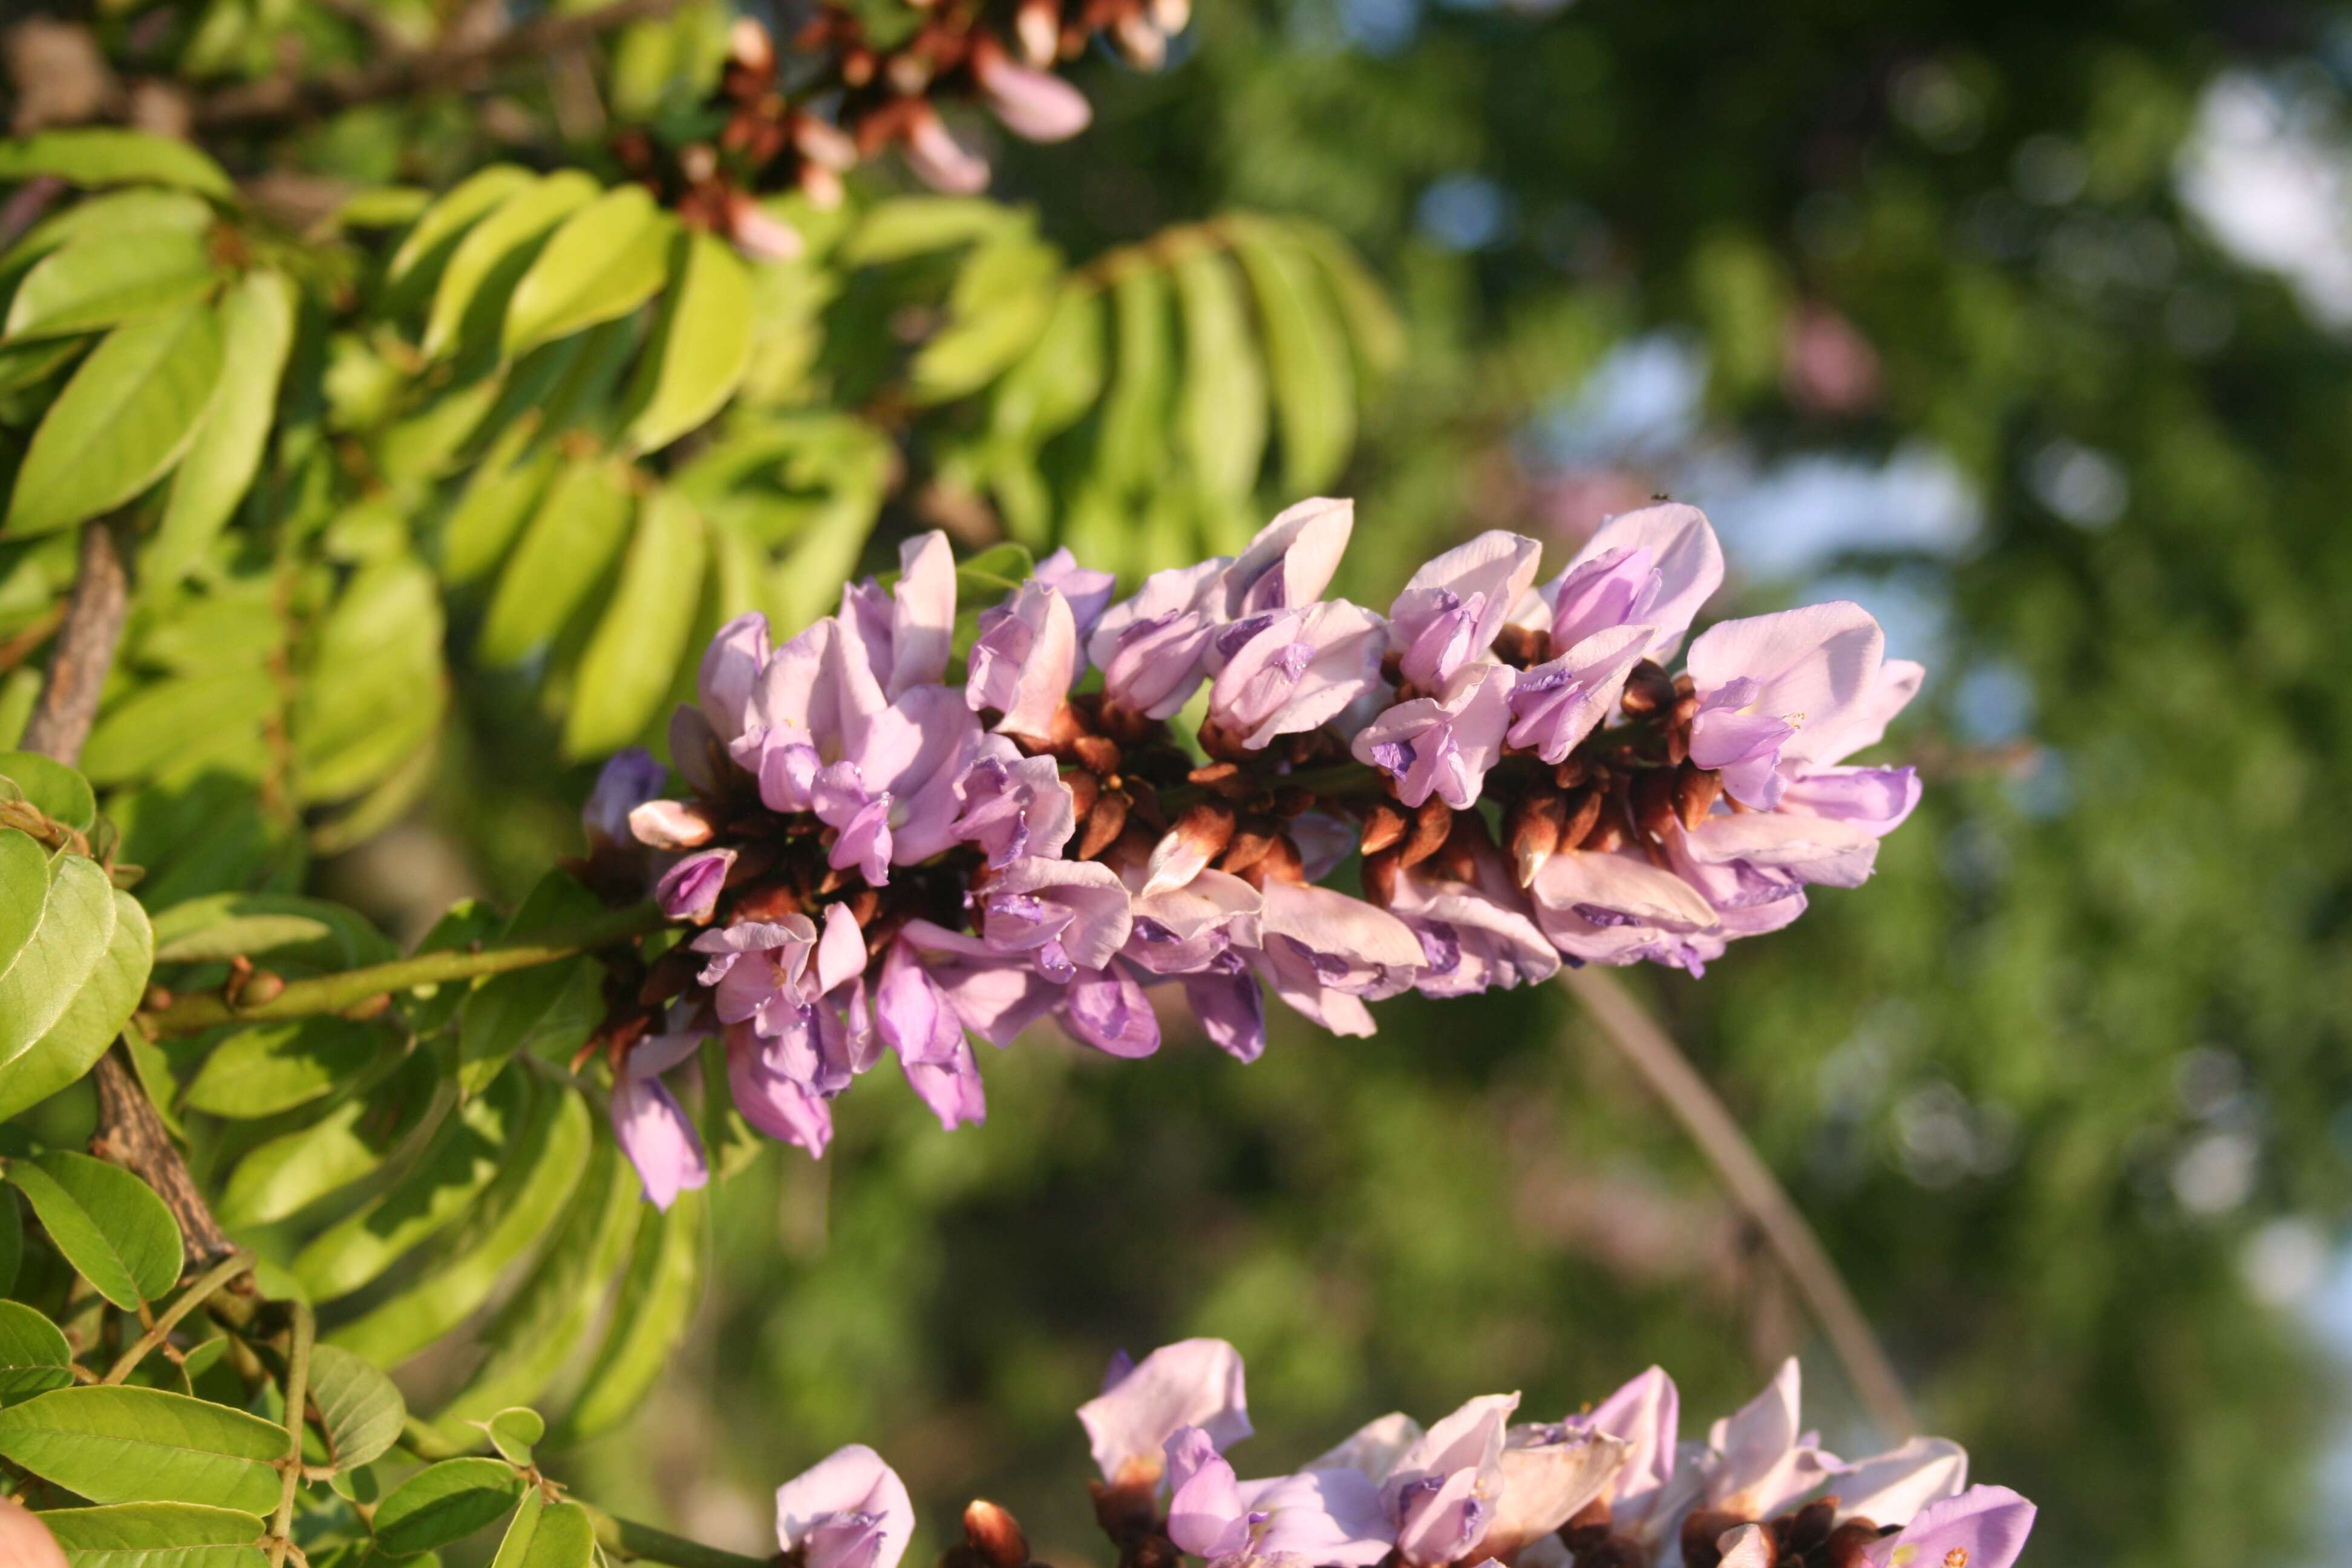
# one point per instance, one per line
(1610, 1487)
(885, 863)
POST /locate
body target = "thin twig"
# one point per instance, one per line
(195, 1296)
(298, 1401)
(347, 988)
(1754, 1188)
(450, 66)
(85, 648)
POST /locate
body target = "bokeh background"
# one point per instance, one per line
(2025, 325)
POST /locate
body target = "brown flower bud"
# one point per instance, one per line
(1384, 825)
(1532, 825)
(1608, 830)
(156, 999)
(1519, 646)
(1103, 824)
(1096, 754)
(1085, 790)
(1845, 1544)
(1205, 829)
(1647, 689)
(1281, 862)
(1457, 859)
(1702, 1528)
(1809, 1527)
(1696, 791)
(1380, 869)
(260, 987)
(1246, 848)
(1292, 800)
(1431, 827)
(1037, 27)
(995, 1534)
(1654, 802)
(669, 975)
(1572, 773)
(857, 66)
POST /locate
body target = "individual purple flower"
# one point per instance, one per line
(893, 642)
(794, 718)
(848, 1510)
(916, 1017)
(1442, 1492)
(1013, 807)
(1903, 1482)
(1476, 935)
(650, 1126)
(1759, 1460)
(629, 779)
(1326, 952)
(1556, 704)
(1316, 1518)
(1615, 907)
(939, 160)
(1151, 647)
(730, 670)
(1449, 614)
(1984, 1527)
(1035, 105)
(1024, 660)
(1442, 745)
(1653, 567)
(1778, 692)
(893, 799)
(1224, 998)
(770, 1098)
(1645, 1414)
(690, 890)
(1088, 592)
(1549, 1471)
(1289, 562)
(1107, 1008)
(993, 995)
(1064, 916)
(1298, 671)
(1191, 1384)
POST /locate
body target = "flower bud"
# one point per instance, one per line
(749, 45)
(1096, 754)
(1654, 802)
(1846, 1544)
(261, 987)
(1584, 812)
(1037, 27)
(1246, 849)
(1380, 876)
(1171, 17)
(1431, 825)
(1532, 825)
(1145, 46)
(1695, 792)
(1104, 823)
(995, 1534)
(671, 825)
(1385, 824)
(1647, 689)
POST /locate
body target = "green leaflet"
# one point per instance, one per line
(514, 1547)
(144, 1445)
(514, 1431)
(565, 1538)
(535, 1335)
(74, 956)
(12, 1245)
(357, 1406)
(494, 504)
(122, 422)
(1135, 417)
(463, 1160)
(514, 1217)
(34, 1355)
(293, 930)
(99, 282)
(446, 221)
(157, 1535)
(525, 1007)
(1002, 298)
(172, 728)
(605, 261)
(265, 1068)
(107, 1222)
(94, 156)
(632, 658)
(427, 1008)
(374, 696)
(256, 333)
(1306, 358)
(910, 225)
(657, 1302)
(699, 348)
(345, 1145)
(491, 259)
(117, 215)
(572, 541)
(1221, 406)
(445, 1503)
(60, 791)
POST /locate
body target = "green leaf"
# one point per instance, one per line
(513, 1431)
(1001, 302)
(107, 1222)
(514, 1547)
(1374, 330)
(700, 345)
(463, 1160)
(565, 1538)
(94, 156)
(494, 254)
(605, 261)
(632, 661)
(533, 1338)
(1307, 357)
(11, 1243)
(74, 956)
(95, 283)
(176, 728)
(571, 544)
(445, 222)
(444, 1503)
(256, 333)
(145, 1445)
(345, 1145)
(34, 1355)
(494, 504)
(656, 1303)
(123, 419)
(514, 1219)
(118, 214)
(63, 794)
(1059, 378)
(357, 1406)
(1135, 417)
(312, 932)
(375, 691)
(530, 1008)
(427, 1007)
(911, 226)
(1222, 416)
(158, 1535)
(269, 1068)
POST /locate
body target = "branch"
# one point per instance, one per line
(449, 65)
(230, 1268)
(84, 649)
(1753, 1187)
(352, 987)
(298, 1407)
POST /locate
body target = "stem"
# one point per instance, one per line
(195, 1296)
(84, 649)
(627, 1539)
(1754, 1188)
(336, 992)
(298, 1400)
(450, 65)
